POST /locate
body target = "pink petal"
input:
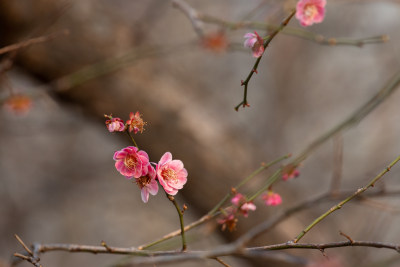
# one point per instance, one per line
(145, 194)
(153, 188)
(165, 158)
(176, 165)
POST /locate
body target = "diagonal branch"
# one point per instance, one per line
(245, 83)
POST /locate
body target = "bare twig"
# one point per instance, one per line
(245, 83)
(337, 164)
(222, 262)
(338, 206)
(31, 41)
(31, 257)
(191, 13)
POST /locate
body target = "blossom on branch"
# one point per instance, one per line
(171, 174)
(228, 219)
(148, 184)
(272, 199)
(115, 124)
(131, 163)
(135, 123)
(289, 172)
(243, 205)
(255, 42)
(309, 12)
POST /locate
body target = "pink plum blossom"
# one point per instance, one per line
(131, 163)
(244, 206)
(228, 219)
(171, 174)
(135, 123)
(115, 125)
(290, 172)
(272, 199)
(309, 12)
(255, 42)
(148, 184)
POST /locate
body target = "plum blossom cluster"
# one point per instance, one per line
(309, 12)
(240, 206)
(135, 123)
(135, 164)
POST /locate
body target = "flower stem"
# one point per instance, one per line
(133, 140)
(172, 199)
(246, 180)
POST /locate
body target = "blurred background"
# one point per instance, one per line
(58, 182)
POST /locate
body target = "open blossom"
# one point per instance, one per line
(115, 125)
(272, 199)
(240, 201)
(148, 184)
(131, 163)
(171, 174)
(135, 123)
(309, 12)
(290, 172)
(255, 42)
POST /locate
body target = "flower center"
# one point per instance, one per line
(143, 181)
(310, 11)
(130, 162)
(170, 175)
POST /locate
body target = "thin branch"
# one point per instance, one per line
(32, 258)
(297, 32)
(353, 119)
(338, 206)
(246, 180)
(337, 164)
(180, 213)
(245, 83)
(222, 262)
(323, 246)
(30, 42)
(229, 250)
(191, 13)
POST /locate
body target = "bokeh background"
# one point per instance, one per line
(58, 182)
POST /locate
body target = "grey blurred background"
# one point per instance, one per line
(58, 182)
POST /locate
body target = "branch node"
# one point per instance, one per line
(347, 236)
(104, 244)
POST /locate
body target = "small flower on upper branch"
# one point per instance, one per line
(131, 163)
(289, 172)
(18, 104)
(135, 123)
(309, 12)
(171, 174)
(243, 205)
(228, 219)
(255, 42)
(148, 183)
(272, 199)
(114, 124)
(216, 42)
